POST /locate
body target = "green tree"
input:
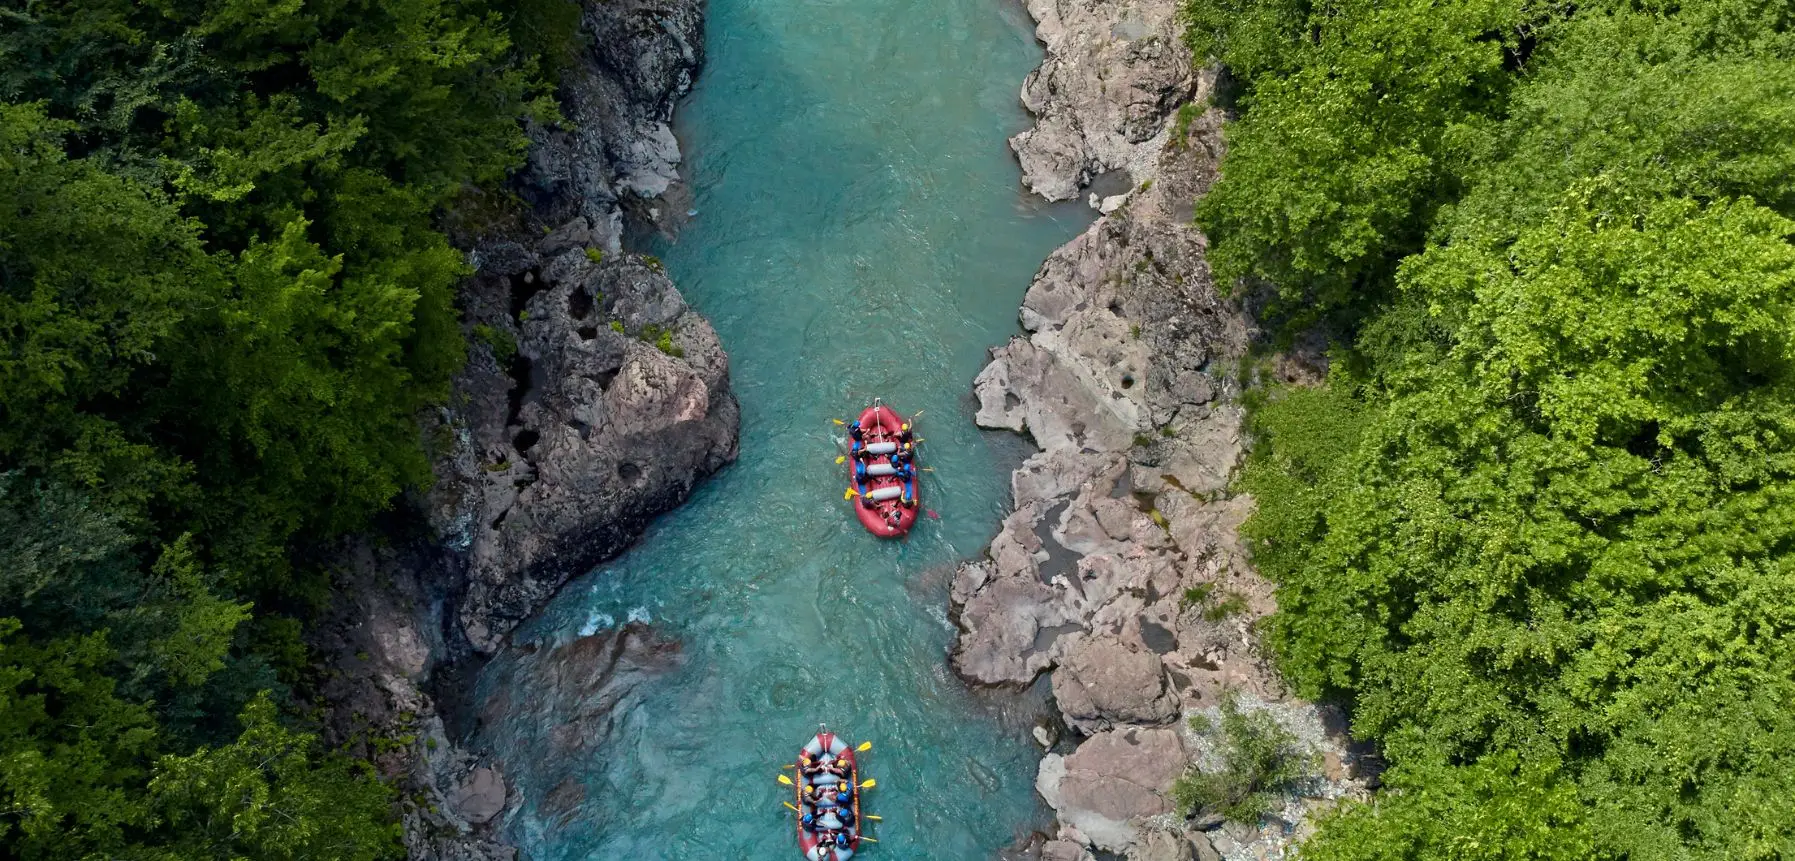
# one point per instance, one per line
(1535, 527)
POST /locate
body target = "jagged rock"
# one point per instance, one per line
(618, 149)
(1064, 850)
(1161, 846)
(1103, 681)
(548, 459)
(1115, 69)
(1202, 850)
(595, 431)
(1114, 779)
(481, 796)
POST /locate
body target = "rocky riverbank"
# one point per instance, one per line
(1121, 570)
(593, 400)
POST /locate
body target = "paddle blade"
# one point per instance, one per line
(864, 746)
(850, 494)
(789, 805)
(785, 780)
(875, 818)
(841, 459)
(869, 784)
(838, 421)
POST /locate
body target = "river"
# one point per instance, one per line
(860, 231)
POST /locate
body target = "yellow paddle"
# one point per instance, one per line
(850, 494)
(838, 421)
(790, 806)
(868, 839)
(864, 747)
(841, 460)
(869, 784)
(785, 780)
(875, 818)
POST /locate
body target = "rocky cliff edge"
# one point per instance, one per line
(593, 399)
(1121, 570)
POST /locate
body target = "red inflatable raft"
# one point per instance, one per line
(882, 471)
(828, 798)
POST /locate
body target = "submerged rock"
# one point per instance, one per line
(572, 695)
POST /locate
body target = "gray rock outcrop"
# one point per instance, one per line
(1121, 571)
(617, 154)
(613, 403)
(1114, 70)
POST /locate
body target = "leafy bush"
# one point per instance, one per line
(503, 344)
(1260, 760)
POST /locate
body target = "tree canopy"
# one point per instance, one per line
(1535, 527)
(224, 297)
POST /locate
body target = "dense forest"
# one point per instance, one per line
(1537, 529)
(224, 294)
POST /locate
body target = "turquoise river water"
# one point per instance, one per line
(860, 232)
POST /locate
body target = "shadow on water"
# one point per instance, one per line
(860, 232)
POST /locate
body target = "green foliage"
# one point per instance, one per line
(1196, 596)
(500, 341)
(661, 337)
(1232, 604)
(1354, 115)
(1535, 526)
(596, 255)
(1494, 810)
(224, 299)
(1259, 761)
(270, 794)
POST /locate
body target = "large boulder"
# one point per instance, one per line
(1103, 681)
(614, 404)
(1115, 70)
(1114, 780)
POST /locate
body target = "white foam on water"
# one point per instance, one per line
(596, 621)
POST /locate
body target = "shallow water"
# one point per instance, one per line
(860, 232)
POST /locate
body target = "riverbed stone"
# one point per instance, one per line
(1114, 779)
(1103, 681)
(1161, 846)
(1127, 376)
(479, 798)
